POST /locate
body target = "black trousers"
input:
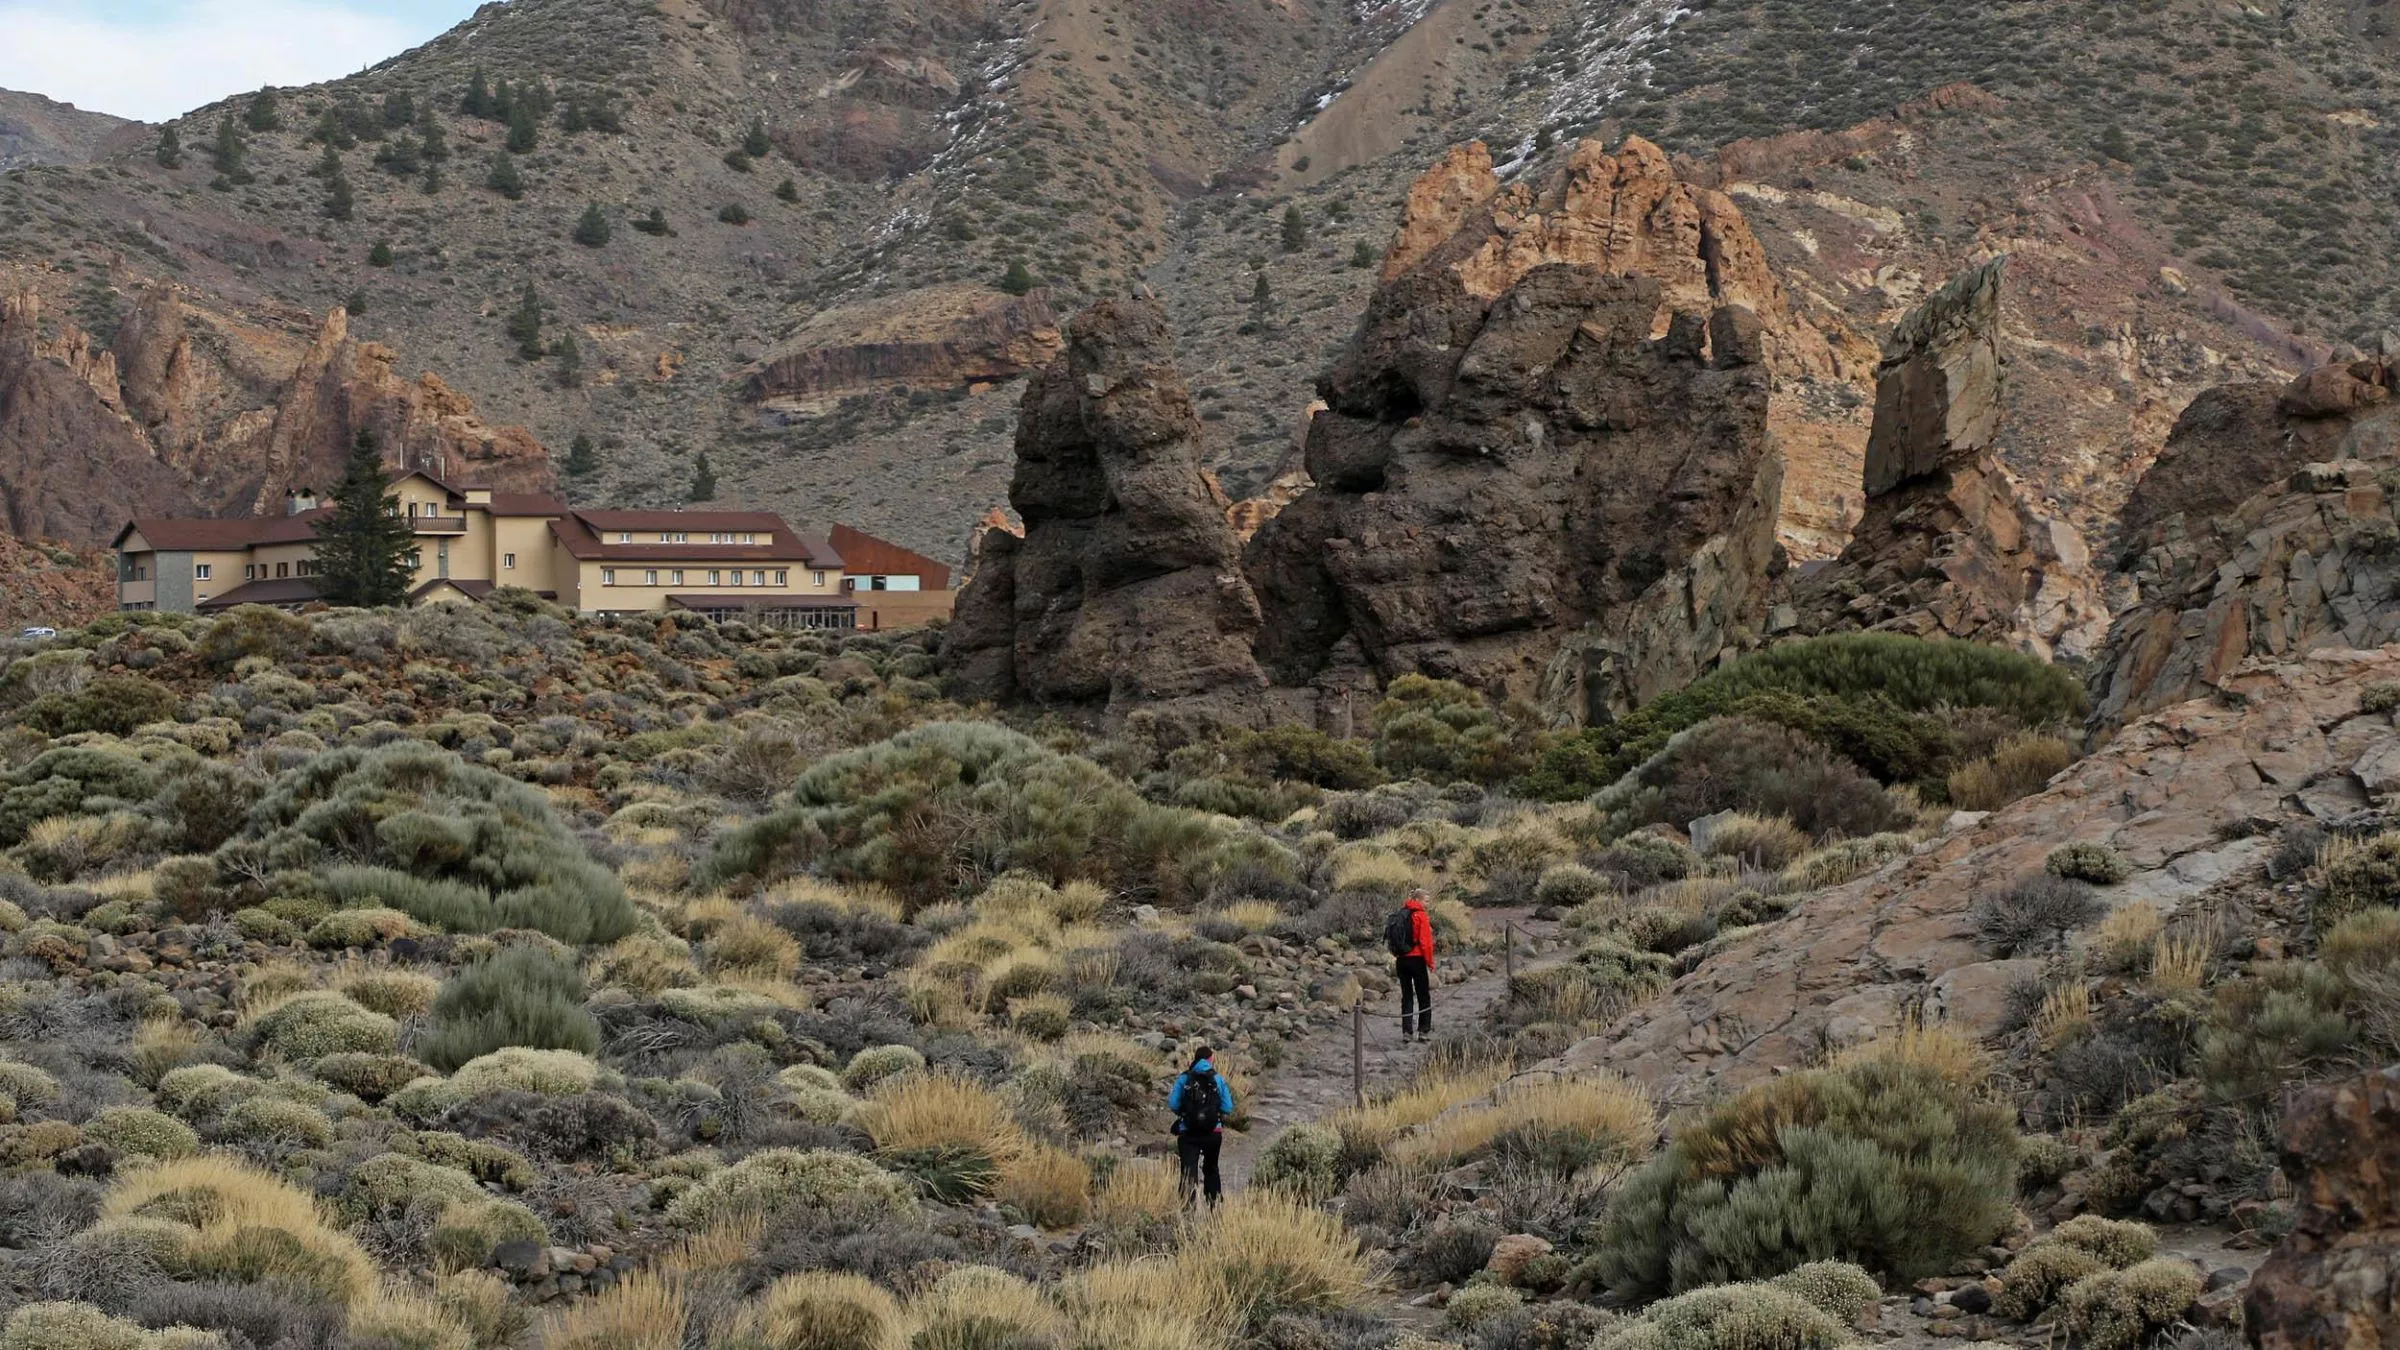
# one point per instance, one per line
(1197, 1153)
(1416, 996)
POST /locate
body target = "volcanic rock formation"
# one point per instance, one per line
(189, 414)
(2334, 1280)
(1126, 586)
(1949, 547)
(2266, 528)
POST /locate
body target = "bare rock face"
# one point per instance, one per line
(950, 337)
(1549, 434)
(1949, 545)
(2333, 1283)
(168, 424)
(1127, 585)
(2266, 529)
(1859, 960)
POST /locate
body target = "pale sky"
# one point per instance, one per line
(155, 59)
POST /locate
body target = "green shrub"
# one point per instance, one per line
(368, 1077)
(1729, 1317)
(1442, 731)
(449, 844)
(2122, 1309)
(1566, 885)
(198, 1092)
(1879, 1161)
(917, 811)
(254, 630)
(276, 1119)
(2039, 1275)
(360, 928)
(2086, 860)
(77, 780)
(520, 996)
(1477, 1304)
(878, 1062)
(2117, 1242)
(1735, 764)
(1304, 1161)
(319, 1023)
(72, 1326)
(463, 1237)
(2300, 1020)
(487, 1162)
(773, 1179)
(111, 704)
(27, 1085)
(1836, 1287)
(142, 1133)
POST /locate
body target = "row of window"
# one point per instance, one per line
(306, 567)
(685, 537)
(715, 577)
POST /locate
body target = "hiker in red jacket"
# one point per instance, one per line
(1409, 936)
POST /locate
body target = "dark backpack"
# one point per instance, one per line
(1399, 934)
(1203, 1107)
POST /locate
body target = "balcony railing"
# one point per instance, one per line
(438, 524)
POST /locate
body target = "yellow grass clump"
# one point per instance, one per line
(1613, 1115)
(2066, 1013)
(1262, 1253)
(1372, 1127)
(2179, 960)
(974, 1307)
(1137, 1305)
(1138, 1192)
(2125, 938)
(748, 945)
(1049, 1186)
(823, 1310)
(1769, 843)
(1252, 916)
(218, 1206)
(394, 993)
(1932, 1046)
(936, 1110)
(2019, 767)
(1372, 867)
(647, 1310)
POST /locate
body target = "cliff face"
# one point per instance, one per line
(1126, 585)
(956, 337)
(2266, 529)
(187, 413)
(1949, 546)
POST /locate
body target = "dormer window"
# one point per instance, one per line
(624, 536)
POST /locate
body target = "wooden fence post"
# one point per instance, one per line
(1358, 1051)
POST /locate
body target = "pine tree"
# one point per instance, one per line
(504, 178)
(655, 223)
(566, 357)
(340, 202)
(525, 324)
(231, 151)
(704, 480)
(356, 303)
(334, 131)
(1361, 255)
(1295, 229)
(366, 553)
(592, 231)
(478, 102)
(603, 114)
(787, 191)
(435, 139)
(523, 133)
(755, 142)
(399, 109)
(433, 179)
(1261, 294)
(1019, 278)
(381, 255)
(571, 119)
(583, 458)
(170, 147)
(327, 165)
(1543, 140)
(266, 111)
(401, 156)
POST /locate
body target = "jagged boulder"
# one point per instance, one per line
(1127, 585)
(1950, 545)
(1544, 467)
(2333, 1283)
(2265, 529)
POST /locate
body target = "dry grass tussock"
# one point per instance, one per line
(219, 1203)
(650, 1309)
(1931, 1046)
(2066, 1013)
(2179, 959)
(2124, 940)
(2019, 767)
(1139, 1305)
(1137, 1193)
(1606, 1115)
(1050, 1186)
(1372, 1127)
(932, 1110)
(1264, 1253)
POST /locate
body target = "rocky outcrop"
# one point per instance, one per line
(1949, 546)
(2333, 1283)
(1126, 586)
(52, 585)
(165, 424)
(2193, 797)
(2266, 529)
(36, 130)
(1629, 212)
(1549, 434)
(953, 338)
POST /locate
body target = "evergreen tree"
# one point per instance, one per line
(231, 151)
(737, 160)
(755, 142)
(504, 101)
(327, 165)
(1019, 278)
(1261, 294)
(1361, 255)
(583, 458)
(381, 255)
(333, 131)
(433, 179)
(356, 303)
(401, 156)
(603, 115)
(566, 357)
(788, 191)
(704, 480)
(399, 109)
(1543, 140)
(366, 553)
(525, 324)
(434, 138)
(504, 178)
(2114, 145)
(1295, 229)
(734, 213)
(571, 119)
(655, 223)
(523, 133)
(266, 111)
(592, 231)
(340, 202)
(170, 147)
(478, 102)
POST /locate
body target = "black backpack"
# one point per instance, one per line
(1203, 1107)
(1399, 934)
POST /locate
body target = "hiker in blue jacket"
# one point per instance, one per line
(1202, 1101)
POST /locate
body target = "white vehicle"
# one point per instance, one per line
(39, 632)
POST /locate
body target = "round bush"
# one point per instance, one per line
(823, 1310)
(318, 1023)
(1841, 1289)
(1735, 764)
(2122, 1309)
(775, 1178)
(72, 1326)
(878, 1062)
(2086, 860)
(2039, 1274)
(368, 927)
(141, 1133)
(370, 1078)
(275, 1119)
(1476, 1304)
(1304, 1161)
(28, 1085)
(1730, 1317)
(2118, 1242)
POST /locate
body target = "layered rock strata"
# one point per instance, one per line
(2334, 1280)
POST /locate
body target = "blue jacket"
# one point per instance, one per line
(1183, 1084)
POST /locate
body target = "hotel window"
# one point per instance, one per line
(749, 538)
(508, 560)
(715, 577)
(204, 571)
(608, 576)
(624, 536)
(283, 569)
(650, 577)
(734, 577)
(675, 537)
(249, 571)
(817, 579)
(758, 578)
(782, 578)
(675, 578)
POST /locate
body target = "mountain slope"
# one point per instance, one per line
(37, 130)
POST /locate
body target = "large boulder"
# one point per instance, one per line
(1126, 586)
(2333, 1283)
(2266, 528)
(1545, 465)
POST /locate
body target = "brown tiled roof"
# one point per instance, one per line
(585, 534)
(280, 591)
(760, 600)
(866, 555)
(172, 534)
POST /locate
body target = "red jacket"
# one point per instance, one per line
(1420, 930)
